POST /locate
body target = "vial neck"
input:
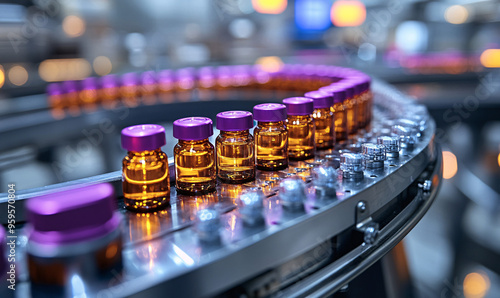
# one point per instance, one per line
(234, 133)
(299, 117)
(192, 142)
(271, 124)
(145, 152)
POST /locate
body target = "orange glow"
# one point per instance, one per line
(2, 76)
(498, 159)
(73, 26)
(450, 165)
(476, 285)
(270, 63)
(348, 13)
(18, 75)
(111, 251)
(491, 58)
(269, 6)
(55, 70)
(102, 65)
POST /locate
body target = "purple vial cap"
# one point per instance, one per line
(347, 86)
(70, 86)
(89, 83)
(3, 263)
(234, 120)
(109, 81)
(193, 128)
(269, 112)
(143, 137)
(338, 92)
(129, 79)
(54, 89)
(148, 78)
(299, 106)
(321, 100)
(73, 216)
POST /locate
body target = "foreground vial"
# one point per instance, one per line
(271, 137)
(145, 175)
(235, 147)
(323, 119)
(300, 125)
(73, 233)
(194, 156)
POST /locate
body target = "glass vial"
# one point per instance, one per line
(339, 111)
(194, 156)
(55, 96)
(145, 175)
(300, 125)
(235, 147)
(271, 137)
(323, 119)
(350, 105)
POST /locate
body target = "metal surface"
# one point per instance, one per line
(163, 254)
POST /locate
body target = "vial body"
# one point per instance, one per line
(194, 166)
(271, 145)
(325, 128)
(340, 119)
(235, 156)
(301, 131)
(352, 115)
(145, 180)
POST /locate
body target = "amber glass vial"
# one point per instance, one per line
(323, 119)
(271, 137)
(235, 147)
(145, 175)
(194, 156)
(339, 111)
(351, 106)
(300, 125)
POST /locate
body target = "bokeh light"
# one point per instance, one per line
(348, 13)
(450, 165)
(2, 76)
(73, 26)
(54, 70)
(102, 65)
(269, 6)
(456, 14)
(270, 63)
(476, 285)
(18, 75)
(490, 58)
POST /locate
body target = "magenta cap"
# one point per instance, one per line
(338, 92)
(89, 83)
(54, 89)
(234, 120)
(109, 81)
(74, 215)
(70, 86)
(321, 100)
(296, 106)
(143, 137)
(269, 112)
(193, 128)
(148, 78)
(348, 87)
(129, 79)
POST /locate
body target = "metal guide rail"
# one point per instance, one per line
(310, 245)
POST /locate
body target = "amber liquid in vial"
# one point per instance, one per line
(194, 166)
(235, 156)
(271, 143)
(340, 119)
(146, 183)
(301, 137)
(352, 115)
(325, 128)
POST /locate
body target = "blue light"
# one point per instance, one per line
(312, 14)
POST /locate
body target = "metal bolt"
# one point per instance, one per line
(371, 233)
(207, 225)
(361, 206)
(374, 155)
(352, 166)
(251, 207)
(325, 181)
(292, 193)
(426, 187)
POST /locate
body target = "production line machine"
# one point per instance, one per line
(325, 225)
